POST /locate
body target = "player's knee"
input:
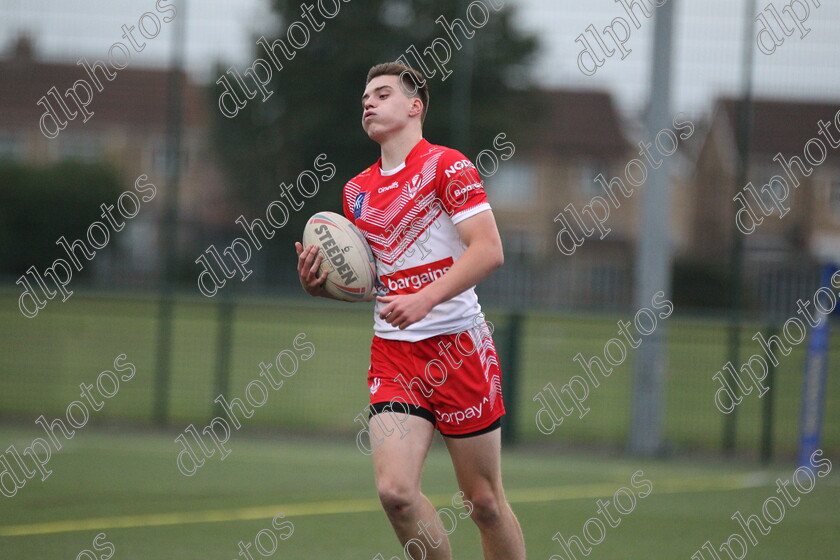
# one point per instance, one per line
(486, 507)
(396, 498)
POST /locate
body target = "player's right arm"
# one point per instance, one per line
(309, 262)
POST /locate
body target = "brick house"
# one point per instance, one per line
(782, 253)
(573, 136)
(128, 128)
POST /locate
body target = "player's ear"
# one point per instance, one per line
(416, 107)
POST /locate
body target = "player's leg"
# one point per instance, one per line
(400, 444)
(477, 462)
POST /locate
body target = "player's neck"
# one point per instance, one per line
(396, 149)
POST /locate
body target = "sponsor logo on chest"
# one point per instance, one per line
(411, 280)
(393, 185)
(411, 186)
(358, 204)
(458, 166)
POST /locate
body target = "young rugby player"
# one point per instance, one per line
(424, 212)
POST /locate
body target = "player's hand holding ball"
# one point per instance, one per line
(309, 269)
(334, 259)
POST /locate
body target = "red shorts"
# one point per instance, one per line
(452, 380)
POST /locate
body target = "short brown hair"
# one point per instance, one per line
(412, 82)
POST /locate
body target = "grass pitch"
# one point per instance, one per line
(120, 489)
(127, 486)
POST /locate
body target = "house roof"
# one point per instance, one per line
(137, 97)
(571, 122)
(782, 125)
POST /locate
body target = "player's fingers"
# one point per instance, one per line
(386, 311)
(308, 258)
(314, 280)
(410, 321)
(298, 248)
(302, 268)
(302, 256)
(316, 265)
(314, 259)
(396, 317)
(318, 283)
(314, 276)
(305, 252)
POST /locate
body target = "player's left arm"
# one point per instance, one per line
(482, 255)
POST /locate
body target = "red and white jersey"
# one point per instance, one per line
(408, 217)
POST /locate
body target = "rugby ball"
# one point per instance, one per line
(347, 258)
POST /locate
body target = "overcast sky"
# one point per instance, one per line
(707, 43)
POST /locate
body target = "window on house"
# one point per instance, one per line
(513, 186)
(11, 145)
(762, 184)
(588, 170)
(80, 147)
(160, 156)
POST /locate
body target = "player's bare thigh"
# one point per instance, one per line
(398, 456)
(477, 462)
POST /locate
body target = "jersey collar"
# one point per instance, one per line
(422, 145)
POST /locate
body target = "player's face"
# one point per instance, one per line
(385, 107)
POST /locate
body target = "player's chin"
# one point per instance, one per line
(375, 133)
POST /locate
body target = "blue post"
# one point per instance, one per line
(813, 385)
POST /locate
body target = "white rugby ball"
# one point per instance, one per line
(347, 258)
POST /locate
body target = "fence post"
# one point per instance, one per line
(169, 225)
(730, 421)
(224, 336)
(767, 406)
(510, 376)
(163, 365)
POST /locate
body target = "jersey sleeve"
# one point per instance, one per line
(345, 205)
(349, 196)
(459, 187)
